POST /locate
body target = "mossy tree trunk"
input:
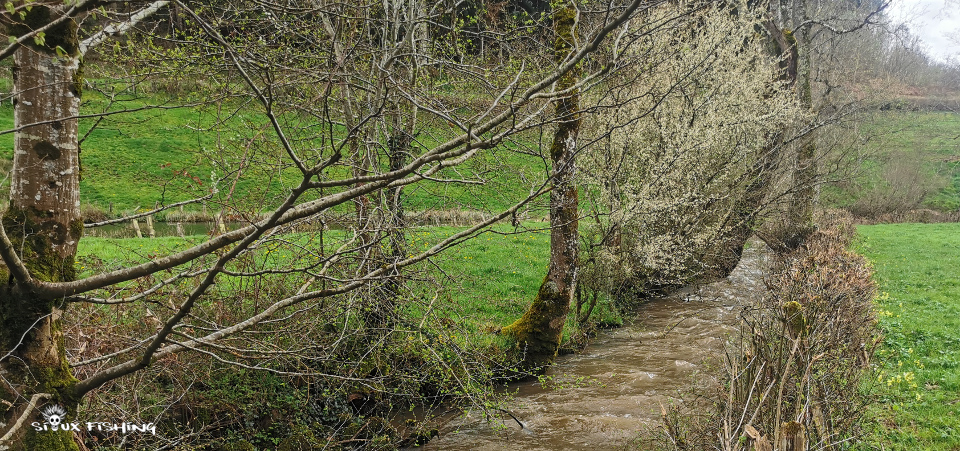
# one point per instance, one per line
(539, 331)
(44, 226)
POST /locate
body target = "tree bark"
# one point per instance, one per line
(800, 210)
(383, 303)
(539, 331)
(44, 226)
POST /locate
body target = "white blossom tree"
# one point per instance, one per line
(678, 169)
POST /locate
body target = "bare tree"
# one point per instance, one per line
(815, 28)
(328, 80)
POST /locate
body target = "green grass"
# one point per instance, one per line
(906, 150)
(168, 155)
(486, 283)
(918, 270)
(493, 277)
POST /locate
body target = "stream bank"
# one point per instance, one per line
(604, 396)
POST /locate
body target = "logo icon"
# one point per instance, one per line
(54, 415)
(54, 419)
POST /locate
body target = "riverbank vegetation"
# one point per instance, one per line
(473, 290)
(797, 375)
(622, 149)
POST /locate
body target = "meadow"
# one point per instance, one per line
(161, 153)
(908, 159)
(918, 378)
(482, 284)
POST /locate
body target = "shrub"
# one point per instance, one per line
(794, 376)
(805, 349)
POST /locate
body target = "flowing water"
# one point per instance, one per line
(602, 398)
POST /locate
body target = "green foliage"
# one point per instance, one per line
(61, 39)
(494, 277)
(487, 282)
(490, 279)
(918, 378)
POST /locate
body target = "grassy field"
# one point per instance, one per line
(908, 157)
(485, 283)
(167, 155)
(917, 268)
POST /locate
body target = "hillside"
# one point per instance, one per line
(164, 155)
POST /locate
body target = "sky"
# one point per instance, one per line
(935, 21)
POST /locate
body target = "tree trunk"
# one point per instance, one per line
(743, 219)
(539, 331)
(44, 225)
(800, 210)
(399, 148)
(383, 303)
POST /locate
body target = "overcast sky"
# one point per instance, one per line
(935, 21)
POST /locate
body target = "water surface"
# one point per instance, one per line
(602, 398)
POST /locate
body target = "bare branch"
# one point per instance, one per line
(147, 213)
(23, 416)
(12, 260)
(71, 14)
(118, 29)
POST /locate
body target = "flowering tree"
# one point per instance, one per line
(686, 165)
(347, 111)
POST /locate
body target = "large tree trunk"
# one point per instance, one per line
(539, 331)
(44, 226)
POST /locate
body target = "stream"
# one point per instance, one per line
(603, 397)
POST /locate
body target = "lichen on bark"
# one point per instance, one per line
(539, 331)
(44, 225)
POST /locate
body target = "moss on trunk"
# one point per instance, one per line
(539, 331)
(44, 226)
(35, 234)
(31, 330)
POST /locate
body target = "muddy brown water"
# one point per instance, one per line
(603, 397)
